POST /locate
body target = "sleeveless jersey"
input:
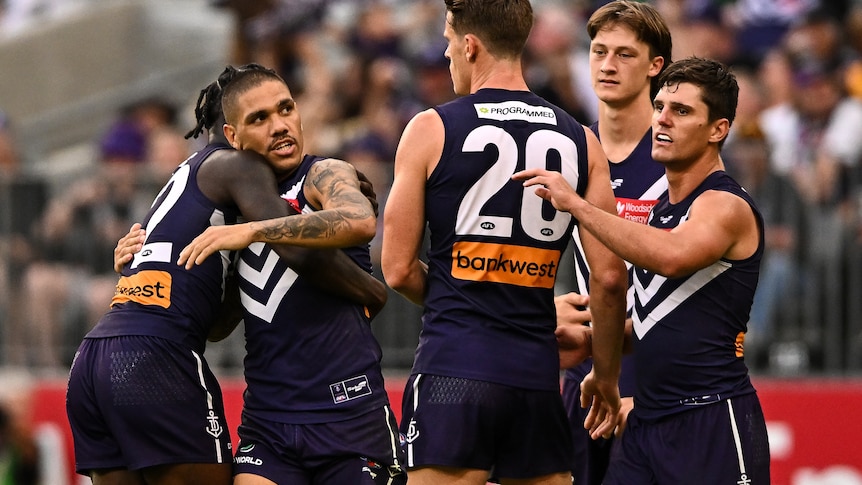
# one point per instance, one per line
(637, 181)
(155, 296)
(690, 330)
(310, 356)
(495, 246)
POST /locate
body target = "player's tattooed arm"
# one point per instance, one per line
(345, 218)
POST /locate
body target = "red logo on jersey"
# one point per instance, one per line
(634, 209)
(294, 204)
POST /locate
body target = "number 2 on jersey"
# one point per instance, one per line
(470, 221)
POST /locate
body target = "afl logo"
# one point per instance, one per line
(547, 232)
(488, 226)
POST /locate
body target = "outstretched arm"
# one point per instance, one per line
(720, 225)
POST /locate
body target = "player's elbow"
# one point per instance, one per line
(350, 232)
(399, 274)
(672, 269)
(673, 265)
(395, 275)
(611, 280)
(366, 229)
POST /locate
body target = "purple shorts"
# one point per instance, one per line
(721, 443)
(591, 456)
(134, 402)
(365, 450)
(462, 423)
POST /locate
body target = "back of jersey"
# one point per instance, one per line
(496, 246)
(154, 295)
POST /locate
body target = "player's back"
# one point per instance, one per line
(495, 246)
(154, 295)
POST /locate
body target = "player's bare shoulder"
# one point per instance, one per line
(228, 171)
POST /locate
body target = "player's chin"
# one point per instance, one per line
(284, 164)
(661, 153)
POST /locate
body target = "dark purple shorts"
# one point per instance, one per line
(365, 450)
(591, 456)
(462, 423)
(135, 402)
(721, 443)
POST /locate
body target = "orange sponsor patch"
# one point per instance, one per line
(146, 288)
(740, 348)
(504, 263)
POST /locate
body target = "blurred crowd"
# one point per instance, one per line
(360, 69)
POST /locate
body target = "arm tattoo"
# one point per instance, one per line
(348, 202)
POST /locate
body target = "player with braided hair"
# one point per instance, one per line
(208, 107)
(143, 405)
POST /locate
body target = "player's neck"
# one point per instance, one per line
(684, 177)
(621, 128)
(499, 75)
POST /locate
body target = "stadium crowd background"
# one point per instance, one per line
(96, 95)
(76, 171)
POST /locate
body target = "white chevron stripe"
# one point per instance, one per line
(658, 188)
(264, 310)
(672, 301)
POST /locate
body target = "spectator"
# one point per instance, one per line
(558, 65)
(156, 118)
(282, 35)
(75, 237)
(22, 199)
(698, 28)
(815, 136)
(760, 25)
(8, 151)
(815, 139)
(785, 224)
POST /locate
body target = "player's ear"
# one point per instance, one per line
(471, 47)
(720, 130)
(230, 134)
(656, 66)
